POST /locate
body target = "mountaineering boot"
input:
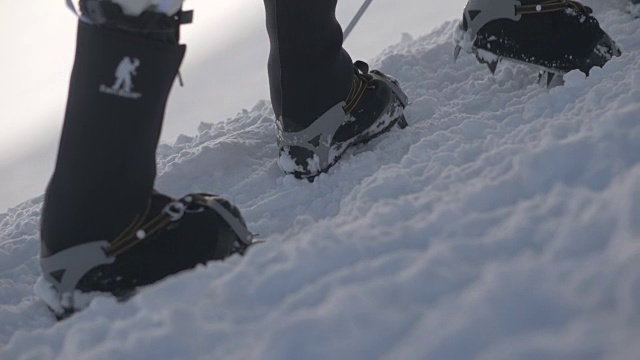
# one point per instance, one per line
(170, 236)
(323, 102)
(373, 106)
(553, 36)
(103, 227)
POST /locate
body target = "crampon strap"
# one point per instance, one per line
(173, 212)
(551, 6)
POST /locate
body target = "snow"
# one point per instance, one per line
(504, 223)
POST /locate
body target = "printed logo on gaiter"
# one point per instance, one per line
(123, 86)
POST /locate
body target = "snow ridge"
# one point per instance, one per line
(504, 223)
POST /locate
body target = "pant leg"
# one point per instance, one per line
(309, 71)
(105, 169)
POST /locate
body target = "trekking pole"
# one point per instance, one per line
(356, 18)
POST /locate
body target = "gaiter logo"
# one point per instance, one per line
(123, 85)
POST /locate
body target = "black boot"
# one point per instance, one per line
(103, 227)
(555, 36)
(373, 106)
(323, 104)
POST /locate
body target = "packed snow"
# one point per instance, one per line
(504, 223)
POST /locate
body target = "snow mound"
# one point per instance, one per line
(504, 223)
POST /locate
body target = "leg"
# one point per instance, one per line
(103, 226)
(323, 103)
(309, 71)
(108, 144)
(118, 84)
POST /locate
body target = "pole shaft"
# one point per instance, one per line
(356, 18)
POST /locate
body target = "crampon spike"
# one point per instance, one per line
(456, 53)
(493, 65)
(402, 122)
(550, 77)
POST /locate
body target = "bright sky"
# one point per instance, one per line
(39, 63)
(227, 45)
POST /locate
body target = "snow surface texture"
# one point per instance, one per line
(504, 223)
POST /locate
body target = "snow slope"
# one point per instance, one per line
(503, 224)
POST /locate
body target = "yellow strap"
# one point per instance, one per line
(549, 6)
